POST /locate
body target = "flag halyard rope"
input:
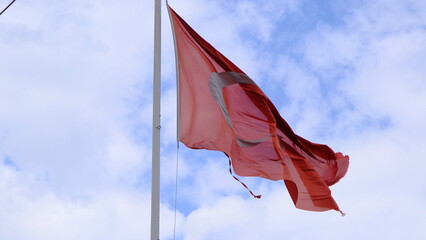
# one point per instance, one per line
(230, 171)
(176, 190)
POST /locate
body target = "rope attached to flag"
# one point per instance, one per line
(230, 171)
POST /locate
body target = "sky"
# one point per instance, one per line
(76, 115)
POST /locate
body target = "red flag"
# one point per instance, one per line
(221, 108)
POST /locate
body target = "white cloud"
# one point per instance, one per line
(70, 99)
(27, 214)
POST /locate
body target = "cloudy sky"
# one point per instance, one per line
(76, 109)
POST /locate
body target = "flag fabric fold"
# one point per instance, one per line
(221, 108)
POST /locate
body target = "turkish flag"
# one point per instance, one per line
(221, 108)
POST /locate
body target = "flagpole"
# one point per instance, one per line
(155, 185)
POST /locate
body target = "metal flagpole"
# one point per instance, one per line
(155, 187)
